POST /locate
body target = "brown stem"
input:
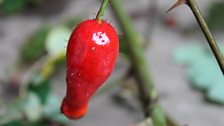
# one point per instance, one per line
(211, 40)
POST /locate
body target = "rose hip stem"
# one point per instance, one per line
(102, 10)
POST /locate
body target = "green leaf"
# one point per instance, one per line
(34, 2)
(57, 40)
(28, 106)
(221, 47)
(215, 17)
(203, 71)
(52, 106)
(41, 87)
(32, 107)
(12, 6)
(216, 93)
(34, 48)
(188, 53)
(52, 111)
(13, 112)
(14, 123)
(200, 72)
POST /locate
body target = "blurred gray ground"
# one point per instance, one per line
(182, 103)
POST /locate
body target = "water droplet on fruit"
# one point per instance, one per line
(72, 74)
(93, 49)
(100, 38)
(79, 74)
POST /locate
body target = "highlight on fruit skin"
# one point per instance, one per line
(90, 59)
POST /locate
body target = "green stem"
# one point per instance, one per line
(212, 43)
(135, 51)
(102, 10)
(148, 94)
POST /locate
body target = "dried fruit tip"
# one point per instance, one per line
(73, 113)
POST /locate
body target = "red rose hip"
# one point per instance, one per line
(91, 55)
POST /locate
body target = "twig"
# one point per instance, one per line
(148, 94)
(212, 43)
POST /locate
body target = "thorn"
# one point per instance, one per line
(178, 3)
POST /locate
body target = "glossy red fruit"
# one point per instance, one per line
(91, 55)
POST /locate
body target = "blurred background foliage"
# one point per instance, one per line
(202, 71)
(215, 17)
(15, 6)
(44, 53)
